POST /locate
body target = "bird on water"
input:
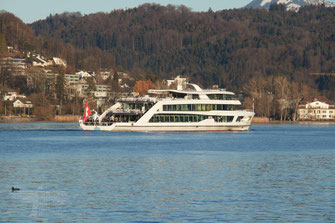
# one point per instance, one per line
(15, 189)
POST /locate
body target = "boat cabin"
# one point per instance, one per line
(126, 110)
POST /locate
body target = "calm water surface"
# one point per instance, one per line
(274, 173)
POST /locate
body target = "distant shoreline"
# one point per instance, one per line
(57, 118)
(75, 118)
(265, 120)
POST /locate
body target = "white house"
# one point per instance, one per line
(84, 74)
(12, 95)
(41, 62)
(59, 61)
(316, 108)
(22, 103)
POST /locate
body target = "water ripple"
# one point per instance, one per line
(277, 173)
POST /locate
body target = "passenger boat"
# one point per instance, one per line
(174, 111)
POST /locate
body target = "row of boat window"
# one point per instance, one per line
(200, 107)
(220, 97)
(121, 118)
(191, 118)
(138, 106)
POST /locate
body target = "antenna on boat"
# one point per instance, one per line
(253, 105)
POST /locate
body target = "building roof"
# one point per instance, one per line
(24, 100)
(310, 99)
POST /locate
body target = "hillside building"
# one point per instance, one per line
(16, 66)
(72, 79)
(24, 105)
(12, 95)
(316, 108)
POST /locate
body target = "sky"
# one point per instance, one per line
(32, 10)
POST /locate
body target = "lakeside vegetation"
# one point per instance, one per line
(265, 55)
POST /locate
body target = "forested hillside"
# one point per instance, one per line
(22, 37)
(227, 47)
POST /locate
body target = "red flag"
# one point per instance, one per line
(87, 112)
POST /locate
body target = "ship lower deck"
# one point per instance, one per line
(161, 127)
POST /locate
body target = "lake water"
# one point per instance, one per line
(274, 173)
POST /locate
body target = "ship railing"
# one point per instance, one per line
(106, 123)
(98, 123)
(128, 110)
(153, 100)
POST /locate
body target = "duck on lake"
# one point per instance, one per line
(15, 189)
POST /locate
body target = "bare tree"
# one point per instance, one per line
(298, 91)
(36, 80)
(260, 91)
(282, 92)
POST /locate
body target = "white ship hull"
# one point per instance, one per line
(169, 127)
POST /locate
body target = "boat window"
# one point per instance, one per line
(229, 107)
(239, 118)
(224, 118)
(178, 95)
(195, 96)
(220, 97)
(178, 118)
(167, 118)
(125, 106)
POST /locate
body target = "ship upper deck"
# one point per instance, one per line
(196, 93)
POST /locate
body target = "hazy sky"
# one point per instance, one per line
(33, 10)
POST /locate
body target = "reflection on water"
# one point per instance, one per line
(274, 173)
(38, 126)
